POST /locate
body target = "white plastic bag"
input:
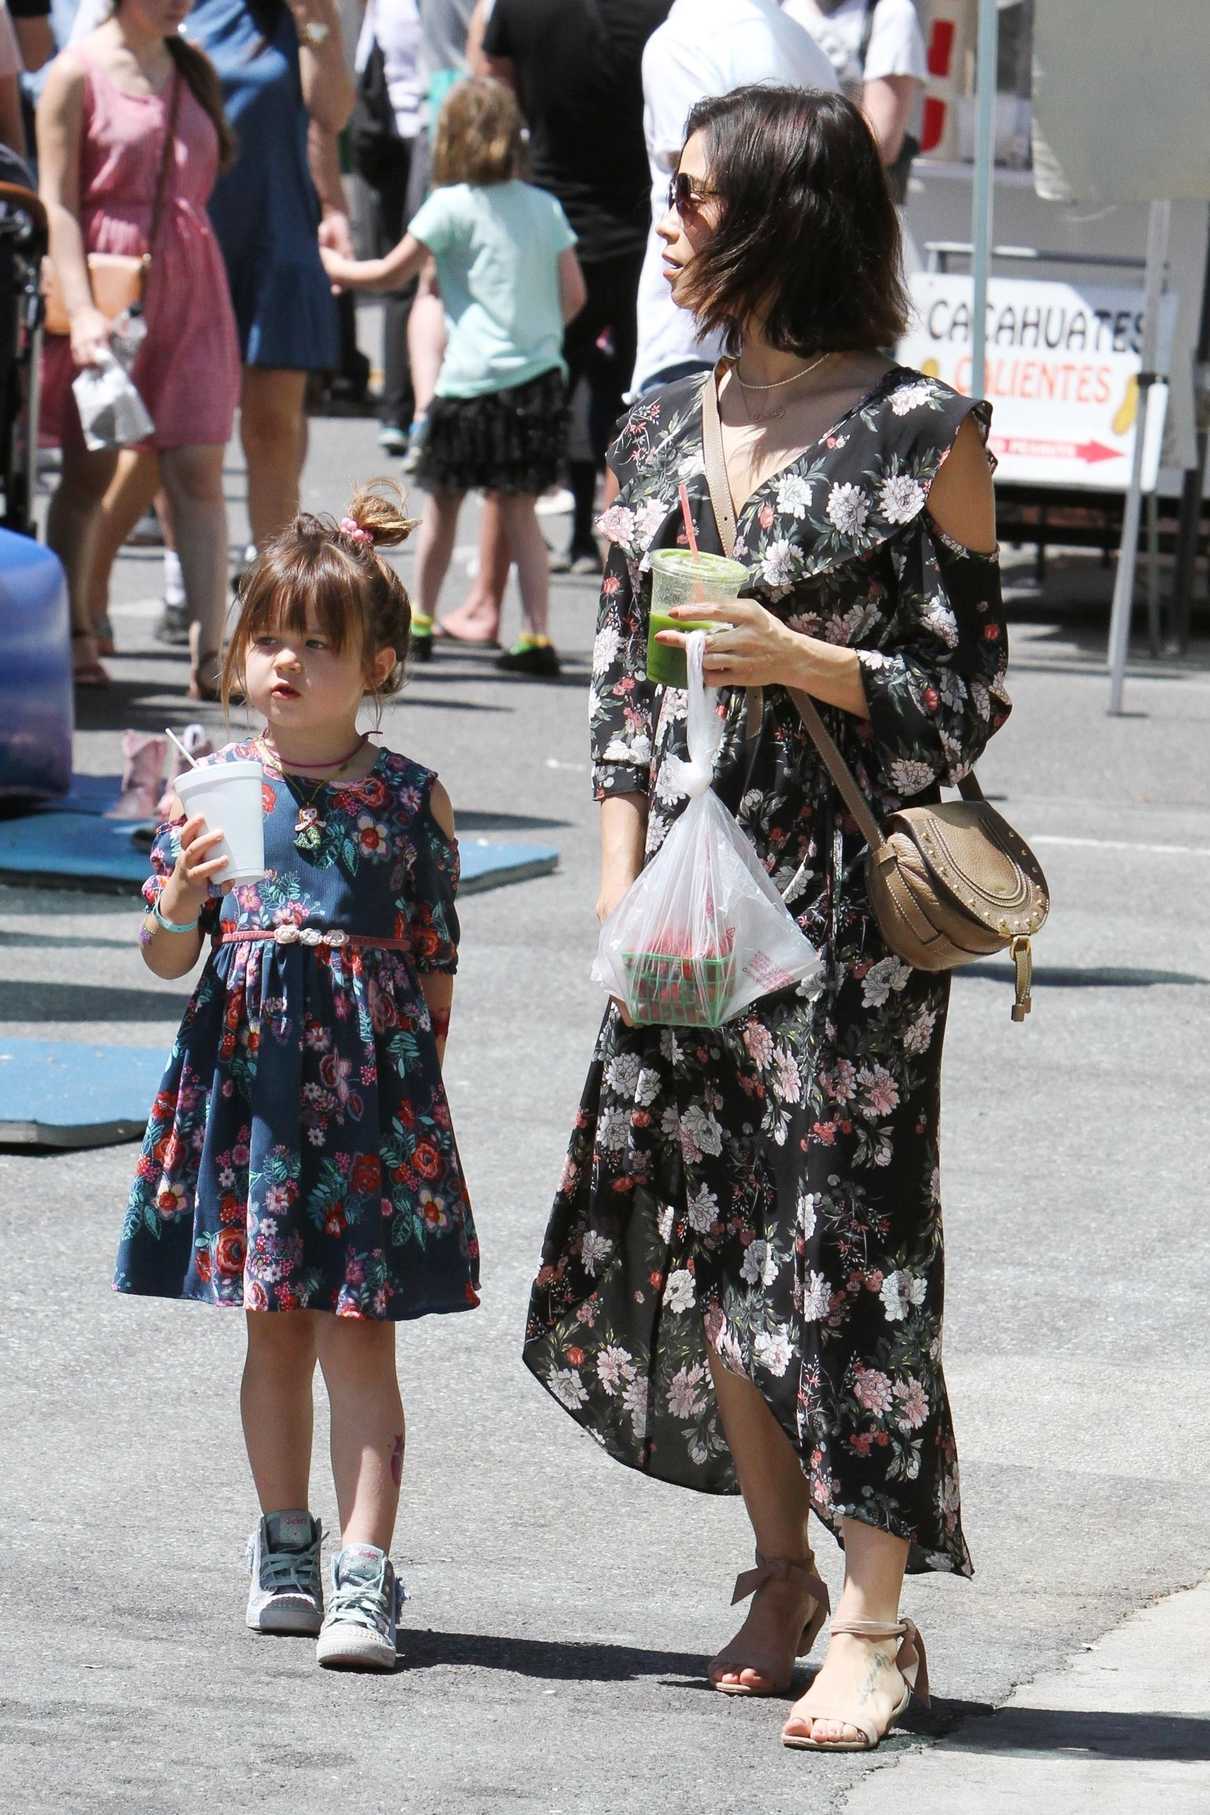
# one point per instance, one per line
(702, 931)
(112, 414)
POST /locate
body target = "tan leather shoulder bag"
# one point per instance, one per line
(947, 883)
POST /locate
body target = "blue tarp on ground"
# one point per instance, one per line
(70, 844)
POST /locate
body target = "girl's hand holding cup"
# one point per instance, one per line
(196, 867)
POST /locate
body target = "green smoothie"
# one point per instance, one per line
(679, 577)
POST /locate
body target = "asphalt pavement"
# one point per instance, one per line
(552, 1654)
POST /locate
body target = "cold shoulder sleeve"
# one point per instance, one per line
(935, 682)
(433, 886)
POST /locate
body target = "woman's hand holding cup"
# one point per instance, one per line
(749, 648)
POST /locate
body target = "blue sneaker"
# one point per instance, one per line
(363, 1612)
(286, 1593)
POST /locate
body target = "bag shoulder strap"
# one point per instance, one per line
(166, 159)
(723, 505)
(867, 32)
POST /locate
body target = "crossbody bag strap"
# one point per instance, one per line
(166, 161)
(867, 32)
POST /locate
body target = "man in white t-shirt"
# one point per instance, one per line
(887, 83)
(703, 48)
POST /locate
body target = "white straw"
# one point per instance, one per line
(191, 760)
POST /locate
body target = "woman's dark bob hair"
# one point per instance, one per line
(808, 238)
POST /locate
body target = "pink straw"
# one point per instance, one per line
(690, 532)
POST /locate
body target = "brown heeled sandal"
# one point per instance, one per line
(205, 678)
(773, 1569)
(912, 1666)
(87, 669)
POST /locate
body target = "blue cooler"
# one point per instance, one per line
(36, 704)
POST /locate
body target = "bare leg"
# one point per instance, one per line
(477, 619)
(129, 494)
(434, 548)
(532, 557)
(277, 1407)
(274, 434)
(193, 480)
(778, 1504)
(357, 1356)
(71, 527)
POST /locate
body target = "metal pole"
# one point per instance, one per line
(1195, 478)
(1159, 217)
(982, 187)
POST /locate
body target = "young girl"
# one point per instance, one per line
(509, 279)
(300, 1160)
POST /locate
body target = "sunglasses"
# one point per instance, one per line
(684, 197)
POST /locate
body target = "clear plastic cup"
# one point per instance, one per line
(228, 795)
(679, 577)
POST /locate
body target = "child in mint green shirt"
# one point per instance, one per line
(509, 281)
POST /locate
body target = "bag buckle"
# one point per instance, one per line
(1021, 953)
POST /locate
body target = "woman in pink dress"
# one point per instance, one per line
(107, 107)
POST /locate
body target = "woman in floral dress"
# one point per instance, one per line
(741, 1284)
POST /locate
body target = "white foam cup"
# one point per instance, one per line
(228, 796)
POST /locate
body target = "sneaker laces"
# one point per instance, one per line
(285, 1571)
(288, 1571)
(367, 1605)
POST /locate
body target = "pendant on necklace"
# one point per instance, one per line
(308, 829)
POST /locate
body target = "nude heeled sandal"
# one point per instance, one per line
(774, 1569)
(912, 1666)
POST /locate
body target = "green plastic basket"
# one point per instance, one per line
(666, 989)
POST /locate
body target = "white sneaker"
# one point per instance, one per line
(286, 1593)
(558, 502)
(359, 1632)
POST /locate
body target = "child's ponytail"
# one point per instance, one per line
(381, 518)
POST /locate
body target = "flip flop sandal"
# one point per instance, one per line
(88, 671)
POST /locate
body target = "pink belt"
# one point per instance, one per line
(289, 934)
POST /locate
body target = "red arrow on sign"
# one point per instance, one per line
(1030, 447)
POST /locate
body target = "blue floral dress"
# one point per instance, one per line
(300, 1153)
(770, 1188)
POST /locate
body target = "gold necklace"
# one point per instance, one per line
(775, 414)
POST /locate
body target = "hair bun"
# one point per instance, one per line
(378, 517)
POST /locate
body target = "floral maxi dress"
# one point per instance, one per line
(771, 1188)
(300, 1153)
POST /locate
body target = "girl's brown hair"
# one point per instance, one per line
(334, 570)
(479, 134)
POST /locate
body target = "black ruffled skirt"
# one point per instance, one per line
(505, 441)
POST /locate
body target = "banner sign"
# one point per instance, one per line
(1062, 373)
